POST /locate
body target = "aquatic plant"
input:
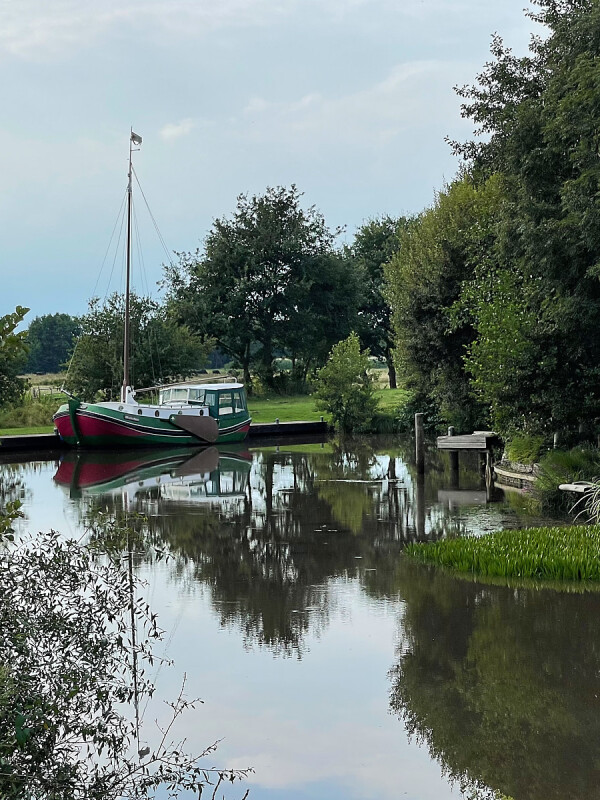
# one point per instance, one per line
(569, 553)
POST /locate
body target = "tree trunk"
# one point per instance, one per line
(246, 368)
(391, 369)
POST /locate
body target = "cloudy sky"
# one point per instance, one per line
(348, 99)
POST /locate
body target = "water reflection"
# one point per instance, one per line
(501, 684)
(292, 549)
(268, 532)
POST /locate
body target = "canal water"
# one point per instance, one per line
(326, 660)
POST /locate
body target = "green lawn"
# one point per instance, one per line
(25, 430)
(301, 407)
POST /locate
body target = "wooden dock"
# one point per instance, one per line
(480, 441)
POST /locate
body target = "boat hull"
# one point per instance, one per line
(104, 425)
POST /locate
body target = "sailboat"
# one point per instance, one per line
(186, 414)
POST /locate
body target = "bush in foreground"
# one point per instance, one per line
(564, 553)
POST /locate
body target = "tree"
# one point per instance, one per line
(161, 348)
(268, 282)
(374, 244)
(439, 250)
(13, 350)
(345, 388)
(51, 339)
(539, 116)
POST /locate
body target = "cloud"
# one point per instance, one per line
(177, 130)
(37, 29)
(411, 96)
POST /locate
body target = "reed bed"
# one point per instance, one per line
(568, 553)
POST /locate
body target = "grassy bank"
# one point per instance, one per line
(569, 553)
(36, 416)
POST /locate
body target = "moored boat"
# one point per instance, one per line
(185, 415)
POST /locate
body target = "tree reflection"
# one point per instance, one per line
(501, 684)
(273, 533)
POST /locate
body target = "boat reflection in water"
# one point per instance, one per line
(180, 475)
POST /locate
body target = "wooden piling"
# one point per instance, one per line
(419, 444)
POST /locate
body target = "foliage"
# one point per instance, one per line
(13, 350)
(50, 339)
(69, 669)
(438, 252)
(374, 244)
(563, 466)
(564, 553)
(160, 348)
(29, 412)
(345, 387)
(525, 449)
(268, 283)
(535, 359)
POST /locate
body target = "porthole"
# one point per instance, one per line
(156, 413)
(140, 411)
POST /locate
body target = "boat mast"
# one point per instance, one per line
(133, 139)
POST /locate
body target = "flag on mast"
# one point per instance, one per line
(135, 138)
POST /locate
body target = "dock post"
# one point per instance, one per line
(420, 507)
(419, 444)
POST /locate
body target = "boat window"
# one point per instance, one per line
(238, 402)
(209, 399)
(225, 403)
(196, 395)
(164, 396)
(179, 395)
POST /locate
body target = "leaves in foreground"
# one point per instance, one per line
(71, 675)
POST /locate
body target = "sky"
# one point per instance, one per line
(348, 99)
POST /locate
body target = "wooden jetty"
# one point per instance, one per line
(480, 441)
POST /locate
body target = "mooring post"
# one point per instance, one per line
(420, 506)
(419, 444)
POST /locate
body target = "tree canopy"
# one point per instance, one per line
(50, 339)
(496, 289)
(269, 282)
(161, 348)
(373, 246)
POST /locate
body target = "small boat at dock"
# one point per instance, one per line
(186, 414)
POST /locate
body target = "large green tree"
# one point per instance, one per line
(50, 339)
(537, 313)
(374, 244)
(161, 349)
(268, 282)
(439, 250)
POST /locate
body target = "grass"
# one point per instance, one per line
(302, 407)
(568, 553)
(24, 431)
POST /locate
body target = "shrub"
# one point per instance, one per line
(345, 386)
(564, 466)
(525, 449)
